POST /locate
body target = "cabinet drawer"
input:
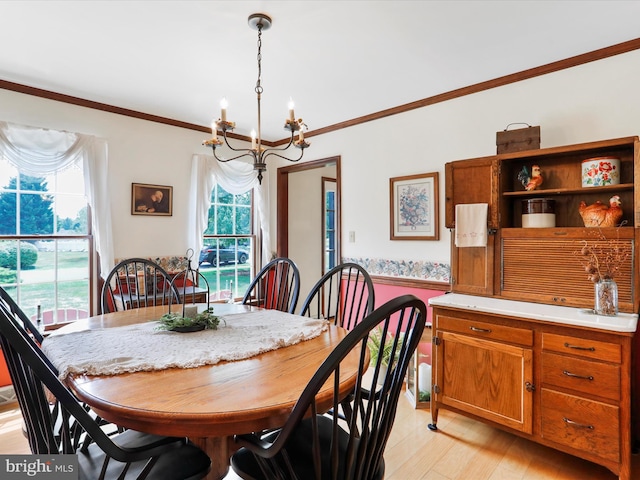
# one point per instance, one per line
(585, 376)
(520, 336)
(582, 347)
(582, 424)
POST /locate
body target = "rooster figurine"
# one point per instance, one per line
(533, 181)
(600, 215)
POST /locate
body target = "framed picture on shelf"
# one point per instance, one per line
(414, 207)
(151, 199)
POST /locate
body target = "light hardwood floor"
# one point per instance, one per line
(462, 449)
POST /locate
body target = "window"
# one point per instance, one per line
(45, 242)
(329, 224)
(227, 258)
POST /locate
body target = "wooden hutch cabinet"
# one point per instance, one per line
(555, 375)
(540, 264)
(517, 344)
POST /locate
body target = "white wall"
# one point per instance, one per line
(140, 152)
(595, 101)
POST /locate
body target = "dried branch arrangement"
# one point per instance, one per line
(603, 258)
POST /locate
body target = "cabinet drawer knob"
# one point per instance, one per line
(576, 424)
(482, 330)
(573, 375)
(578, 347)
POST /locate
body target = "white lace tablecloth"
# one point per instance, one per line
(132, 348)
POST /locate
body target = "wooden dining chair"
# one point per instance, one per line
(136, 283)
(276, 287)
(312, 445)
(31, 330)
(65, 428)
(344, 296)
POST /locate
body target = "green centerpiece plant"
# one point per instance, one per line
(175, 322)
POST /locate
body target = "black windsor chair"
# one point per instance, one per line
(321, 447)
(137, 283)
(23, 322)
(276, 287)
(17, 312)
(64, 429)
(344, 296)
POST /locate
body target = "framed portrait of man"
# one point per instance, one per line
(149, 199)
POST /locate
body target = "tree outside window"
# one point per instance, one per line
(228, 255)
(45, 242)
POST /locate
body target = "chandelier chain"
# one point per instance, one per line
(260, 22)
(259, 81)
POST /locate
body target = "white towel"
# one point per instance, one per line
(471, 225)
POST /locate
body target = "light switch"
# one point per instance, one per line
(352, 236)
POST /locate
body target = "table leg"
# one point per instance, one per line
(218, 449)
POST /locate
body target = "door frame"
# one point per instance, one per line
(282, 202)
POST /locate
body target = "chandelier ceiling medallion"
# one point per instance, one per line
(260, 22)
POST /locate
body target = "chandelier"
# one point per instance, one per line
(257, 152)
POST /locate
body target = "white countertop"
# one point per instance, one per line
(623, 322)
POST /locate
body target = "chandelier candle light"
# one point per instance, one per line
(260, 22)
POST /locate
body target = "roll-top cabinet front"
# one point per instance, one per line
(544, 265)
(485, 369)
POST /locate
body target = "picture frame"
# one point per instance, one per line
(148, 199)
(414, 207)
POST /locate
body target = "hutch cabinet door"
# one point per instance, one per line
(472, 269)
(472, 181)
(483, 377)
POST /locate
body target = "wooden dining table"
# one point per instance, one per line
(209, 404)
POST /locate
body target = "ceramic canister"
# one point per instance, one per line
(600, 171)
(538, 213)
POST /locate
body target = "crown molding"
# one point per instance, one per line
(570, 62)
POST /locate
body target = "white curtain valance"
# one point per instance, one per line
(39, 152)
(235, 177)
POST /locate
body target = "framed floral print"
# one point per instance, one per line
(414, 207)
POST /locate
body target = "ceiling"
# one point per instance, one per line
(338, 60)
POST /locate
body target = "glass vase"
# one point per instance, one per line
(606, 301)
